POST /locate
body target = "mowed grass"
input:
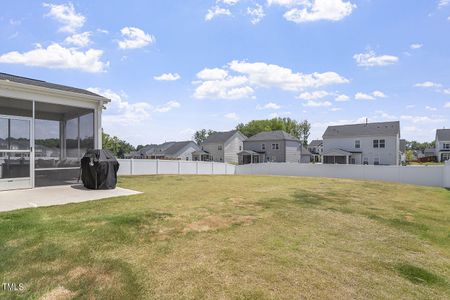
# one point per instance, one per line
(235, 237)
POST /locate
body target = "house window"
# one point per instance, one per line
(365, 161)
(446, 146)
(187, 158)
(382, 143)
(376, 161)
(219, 147)
(375, 143)
(275, 147)
(240, 148)
(263, 146)
(357, 144)
(445, 156)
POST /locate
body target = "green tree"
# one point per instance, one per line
(300, 130)
(409, 155)
(117, 146)
(201, 135)
(414, 145)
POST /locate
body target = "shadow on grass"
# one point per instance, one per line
(418, 275)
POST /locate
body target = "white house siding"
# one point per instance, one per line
(440, 148)
(213, 150)
(293, 151)
(387, 156)
(232, 147)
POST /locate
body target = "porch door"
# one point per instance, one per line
(15, 153)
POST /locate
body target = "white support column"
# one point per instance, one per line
(98, 126)
(33, 148)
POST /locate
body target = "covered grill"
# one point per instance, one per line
(99, 170)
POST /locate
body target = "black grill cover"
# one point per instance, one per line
(99, 170)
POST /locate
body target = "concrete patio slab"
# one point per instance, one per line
(56, 195)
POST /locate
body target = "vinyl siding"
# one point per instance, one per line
(293, 151)
(232, 148)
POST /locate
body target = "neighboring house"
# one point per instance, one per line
(402, 151)
(443, 145)
(45, 129)
(429, 152)
(221, 147)
(168, 150)
(368, 143)
(316, 150)
(273, 146)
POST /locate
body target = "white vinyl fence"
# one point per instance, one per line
(156, 166)
(420, 175)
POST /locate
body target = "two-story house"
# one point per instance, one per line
(368, 143)
(221, 147)
(273, 146)
(316, 150)
(443, 144)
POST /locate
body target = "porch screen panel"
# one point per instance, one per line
(63, 134)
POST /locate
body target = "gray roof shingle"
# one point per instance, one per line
(276, 135)
(220, 137)
(369, 129)
(443, 134)
(178, 146)
(41, 83)
(315, 143)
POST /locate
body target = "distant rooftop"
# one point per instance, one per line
(45, 84)
(365, 129)
(443, 134)
(272, 135)
(220, 137)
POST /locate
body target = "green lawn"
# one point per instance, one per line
(239, 237)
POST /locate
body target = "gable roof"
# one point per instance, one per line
(366, 129)
(276, 135)
(443, 134)
(176, 147)
(45, 84)
(221, 137)
(315, 143)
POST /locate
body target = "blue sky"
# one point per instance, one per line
(172, 67)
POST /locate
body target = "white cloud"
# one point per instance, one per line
(443, 3)
(269, 75)
(378, 94)
(269, 105)
(230, 88)
(410, 106)
(66, 14)
(79, 39)
(312, 103)
(212, 74)
(316, 10)
(279, 115)
(56, 56)
(167, 106)
(134, 38)
(167, 77)
(342, 98)
(428, 84)
(416, 46)
(336, 109)
(104, 31)
(122, 112)
(288, 3)
(370, 59)
(257, 13)
(232, 116)
(229, 2)
(216, 11)
(447, 105)
(313, 95)
(423, 119)
(446, 91)
(219, 84)
(363, 96)
(430, 108)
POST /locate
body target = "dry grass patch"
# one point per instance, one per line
(238, 237)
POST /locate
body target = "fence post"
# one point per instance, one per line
(196, 167)
(157, 166)
(446, 174)
(131, 166)
(212, 168)
(179, 162)
(226, 169)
